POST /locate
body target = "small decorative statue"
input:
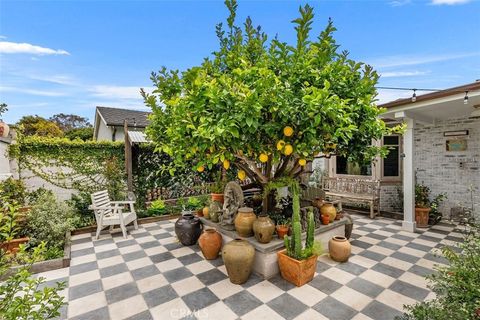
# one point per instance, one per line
(233, 200)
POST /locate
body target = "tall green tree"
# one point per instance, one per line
(267, 107)
(38, 126)
(67, 122)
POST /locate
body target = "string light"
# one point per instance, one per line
(465, 100)
(414, 96)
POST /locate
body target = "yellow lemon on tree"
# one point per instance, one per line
(280, 145)
(263, 157)
(226, 164)
(201, 169)
(302, 162)
(241, 175)
(288, 150)
(288, 131)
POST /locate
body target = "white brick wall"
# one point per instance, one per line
(445, 171)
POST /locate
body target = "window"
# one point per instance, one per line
(351, 168)
(391, 163)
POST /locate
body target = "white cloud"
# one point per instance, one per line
(14, 47)
(399, 3)
(2, 37)
(391, 95)
(449, 2)
(56, 78)
(117, 92)
(33, 92)
(410, 60)
(398, 74)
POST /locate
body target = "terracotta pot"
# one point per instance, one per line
(325, 219)
(263, 228)
(14, 245)
(188, 228)
(244, 222)
(4, 129)
(205, 213)
(210, 242)
(328, 209)
(217, 197)
(339, 248)
(421, 217)
(282, 231)
(298, 272)
(238, 256)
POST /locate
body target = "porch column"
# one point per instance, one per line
(408, 178)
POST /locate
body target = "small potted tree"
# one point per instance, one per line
(216, 189)
(282, 227)
(298, 264)
(422, 205)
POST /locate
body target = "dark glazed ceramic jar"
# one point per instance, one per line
(188, 228)
(238, 256)
(263, 228)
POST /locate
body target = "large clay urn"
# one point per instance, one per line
(238, 256)
(328, 209)
(263, 228)
(421, 217)
(244, 222)
(339, 248)
(188, 228)
(210, 243)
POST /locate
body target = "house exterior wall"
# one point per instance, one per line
(450, 172)
(5, 171)
(104, 132)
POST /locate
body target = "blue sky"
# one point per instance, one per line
(69, 56)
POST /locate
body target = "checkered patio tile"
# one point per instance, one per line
(151, 275)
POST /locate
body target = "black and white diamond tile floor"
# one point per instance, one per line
(151, 275)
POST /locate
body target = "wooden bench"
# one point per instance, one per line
(355, 189)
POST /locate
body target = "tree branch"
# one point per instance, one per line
(252, 168)
(283, 166)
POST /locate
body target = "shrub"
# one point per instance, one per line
(80, 203)
(13, 190)
(457, 286)
(157, 208)
(49, 220)
(20, 295)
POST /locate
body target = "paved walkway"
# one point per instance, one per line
(151, 275)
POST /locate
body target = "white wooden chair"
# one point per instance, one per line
(110, 213)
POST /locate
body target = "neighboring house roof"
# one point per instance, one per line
(137, 137)
(116, 116)
(434, 95)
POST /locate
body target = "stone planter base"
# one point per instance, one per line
(266, 261)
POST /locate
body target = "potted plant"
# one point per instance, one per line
(282, 227)
(422, 205)
(9, 228)
(297, 265)
(216, 188)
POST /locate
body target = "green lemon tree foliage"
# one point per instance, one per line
(267, 107)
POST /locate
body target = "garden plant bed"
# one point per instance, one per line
(265, 263)
(145, 220)
(52, 264)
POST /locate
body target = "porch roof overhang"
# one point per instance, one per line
(441, 105)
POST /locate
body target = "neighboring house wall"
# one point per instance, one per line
(104, 132)
(446, 171)
(5, 171)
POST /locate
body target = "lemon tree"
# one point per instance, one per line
(265, 106)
